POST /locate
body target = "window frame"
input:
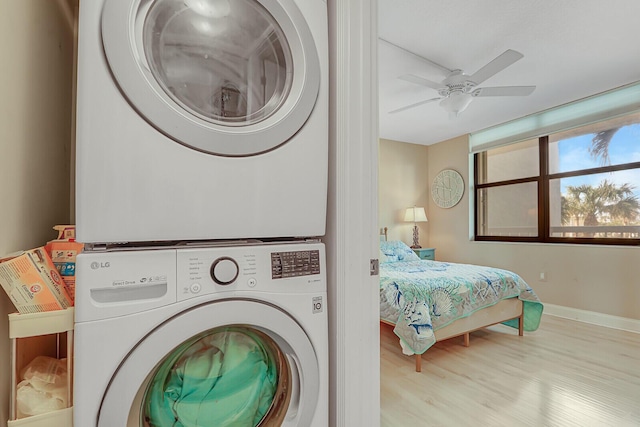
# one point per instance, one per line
(543, 178)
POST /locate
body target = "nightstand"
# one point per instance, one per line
(426, 253)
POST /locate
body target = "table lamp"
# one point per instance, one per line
(415, 214)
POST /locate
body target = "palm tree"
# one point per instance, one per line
(600, 145)
(572, 207)
(616, 202)
(584, 201)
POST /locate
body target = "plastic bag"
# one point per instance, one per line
(43, 387)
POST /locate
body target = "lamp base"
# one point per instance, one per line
(416, 239)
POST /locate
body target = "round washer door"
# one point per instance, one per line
(224, 363)
(226, 77)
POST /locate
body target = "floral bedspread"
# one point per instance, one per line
(422, 296)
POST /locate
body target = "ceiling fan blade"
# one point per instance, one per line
(498, 64)
(442, 68)
(422, 82)
(503, 91)
(417, 104)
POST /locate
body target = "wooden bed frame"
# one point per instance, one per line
(502, 311)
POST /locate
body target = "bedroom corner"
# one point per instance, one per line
(402, 182)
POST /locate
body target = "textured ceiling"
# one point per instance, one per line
(572, 49)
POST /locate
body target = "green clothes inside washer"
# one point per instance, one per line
(231, 376)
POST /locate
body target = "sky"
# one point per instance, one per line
(624, 148)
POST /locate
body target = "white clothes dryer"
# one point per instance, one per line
(206, 336)
(201, 120)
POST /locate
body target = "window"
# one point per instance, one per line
(575, 186)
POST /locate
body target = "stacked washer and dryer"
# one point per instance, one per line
(201, 191)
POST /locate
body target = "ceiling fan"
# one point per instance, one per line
(458, 89)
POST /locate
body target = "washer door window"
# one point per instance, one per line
(232, 371)
(227, 77)
(229, 376)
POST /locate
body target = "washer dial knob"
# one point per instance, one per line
(224, 271)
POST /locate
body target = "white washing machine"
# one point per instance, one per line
(202, 336)
(201, 119)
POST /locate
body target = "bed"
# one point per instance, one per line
(429, 301)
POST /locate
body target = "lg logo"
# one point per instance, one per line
(96, 265)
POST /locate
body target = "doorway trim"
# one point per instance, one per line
(352, 238)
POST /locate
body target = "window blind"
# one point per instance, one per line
(606, 105)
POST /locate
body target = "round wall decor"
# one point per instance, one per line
(447, 188)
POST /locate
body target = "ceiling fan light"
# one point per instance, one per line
(456, 102)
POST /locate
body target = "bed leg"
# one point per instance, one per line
(466, 339)
(418, 363)
(521, 325)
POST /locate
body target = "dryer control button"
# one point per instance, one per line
(224, 271)
(195, 288)
(252, 282)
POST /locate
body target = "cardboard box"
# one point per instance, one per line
(32, 282)
(63, 254)
(65, 232)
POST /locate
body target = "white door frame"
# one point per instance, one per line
(352, 238)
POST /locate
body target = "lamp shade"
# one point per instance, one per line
(415, 214)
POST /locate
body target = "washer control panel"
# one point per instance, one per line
(120, 283)
(273, 268)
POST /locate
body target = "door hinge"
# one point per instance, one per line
(374, 267)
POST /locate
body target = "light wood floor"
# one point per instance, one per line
(566, 373)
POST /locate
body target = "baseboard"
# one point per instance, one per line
(600, 319)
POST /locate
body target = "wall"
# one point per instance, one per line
(602, 279)
(403, 181)
(36, 44)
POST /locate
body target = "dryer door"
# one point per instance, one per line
(227, 363)
(227, 77)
